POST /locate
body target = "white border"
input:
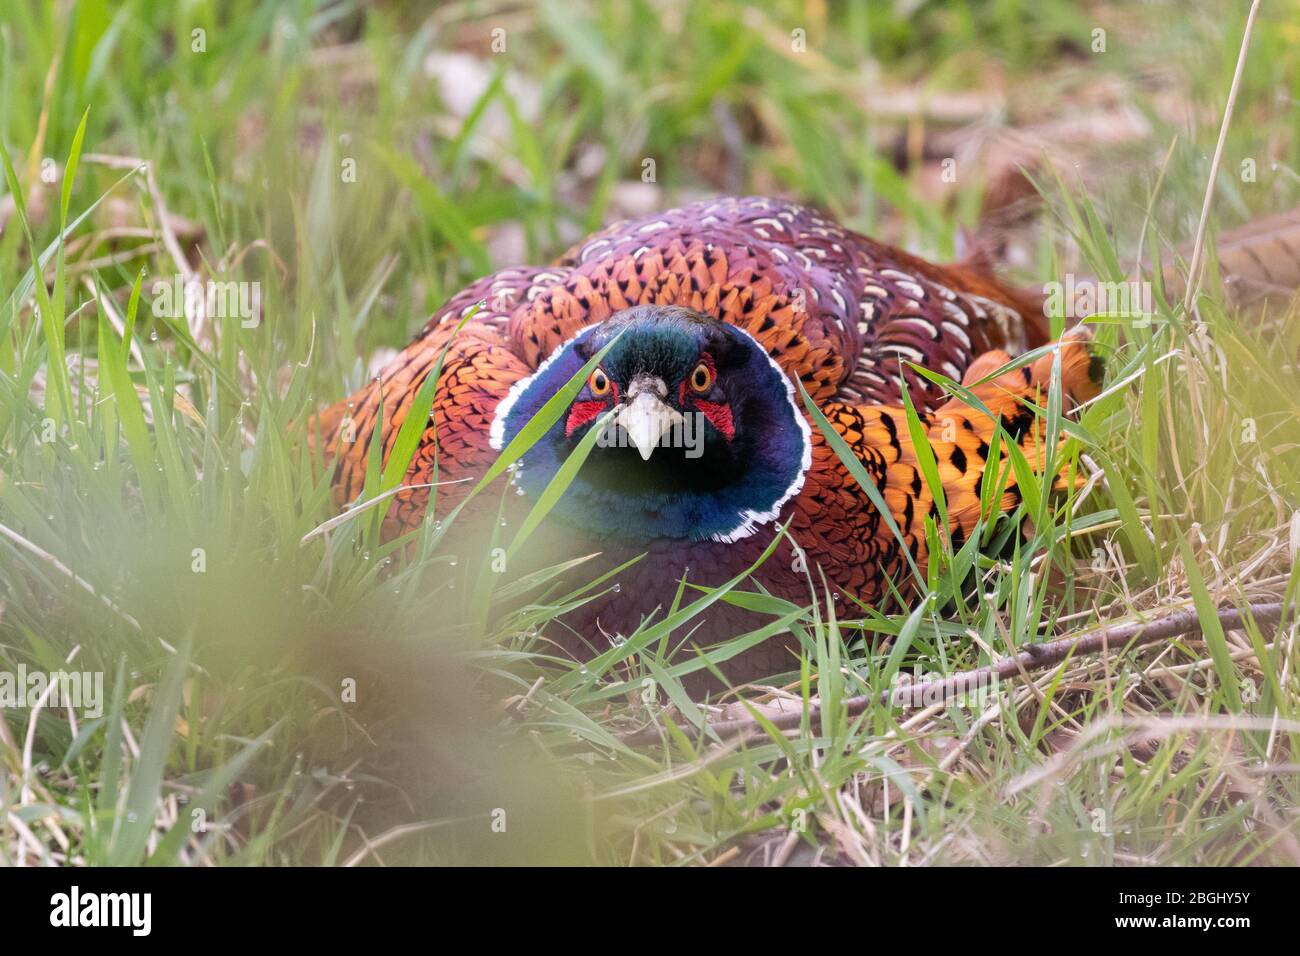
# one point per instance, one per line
(752, 519)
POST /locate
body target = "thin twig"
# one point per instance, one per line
(1120, 637)
(1198, 249)
(62, 568)
(396, 833)
(115, 320)
(195, 321)
(331, 523)
(51, 688)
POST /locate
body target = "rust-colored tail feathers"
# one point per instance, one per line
(961, 435)
(1008, 397)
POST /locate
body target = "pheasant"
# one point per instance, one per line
(715, 317)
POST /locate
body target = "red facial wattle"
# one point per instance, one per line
(583, 413)
(719, 416)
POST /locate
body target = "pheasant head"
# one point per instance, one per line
(701, 435)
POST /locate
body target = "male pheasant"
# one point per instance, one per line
(716, 310)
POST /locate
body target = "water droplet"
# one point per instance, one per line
(617, 588)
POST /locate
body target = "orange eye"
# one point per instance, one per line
(598, 382)
(702, 378)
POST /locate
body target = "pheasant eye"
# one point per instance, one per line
(702, 378)
(598, 382)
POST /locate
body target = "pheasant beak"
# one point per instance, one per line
(646, 417)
